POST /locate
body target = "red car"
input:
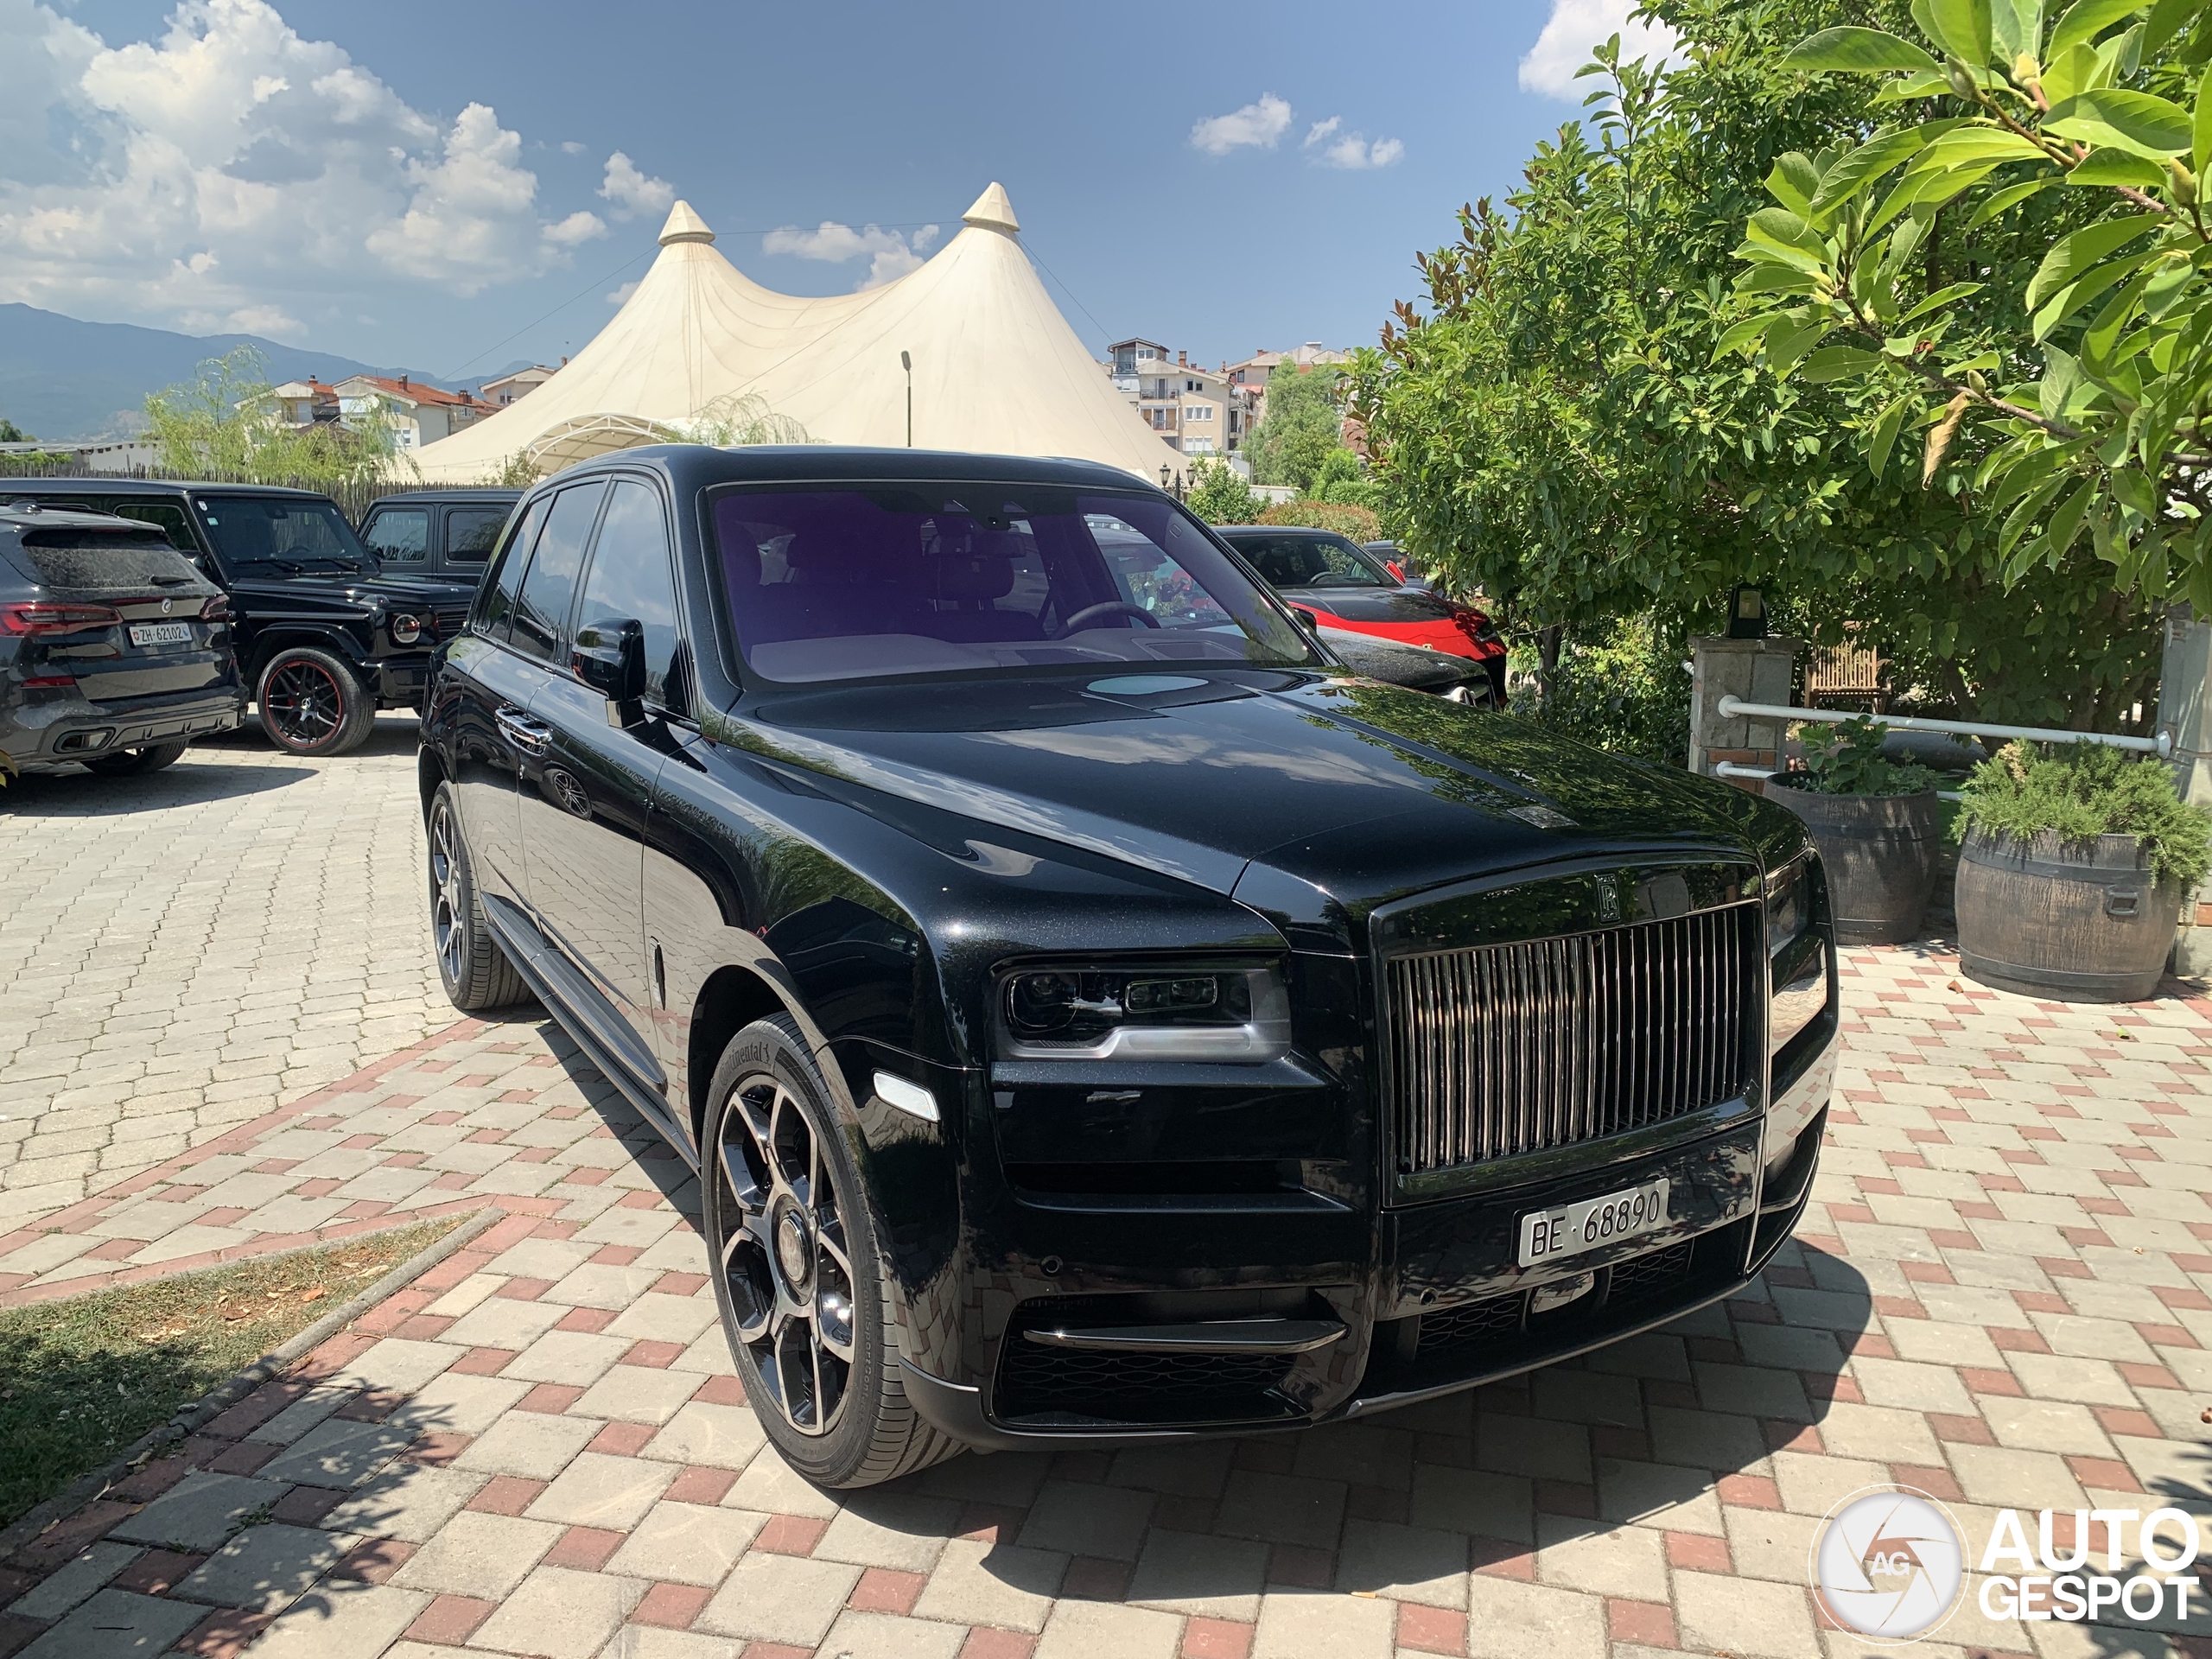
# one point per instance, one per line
(1347, 587)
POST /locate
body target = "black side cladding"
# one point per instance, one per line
(90, 562)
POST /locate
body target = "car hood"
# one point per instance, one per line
(340, 595)
(1374, 604)
(1292, 792)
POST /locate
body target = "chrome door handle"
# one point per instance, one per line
(530, 736)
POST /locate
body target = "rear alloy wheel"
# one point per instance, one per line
(797, 1273)
(311, 703)
(129, 763)
(472, 967)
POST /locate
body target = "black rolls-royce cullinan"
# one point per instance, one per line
(1096, 1014)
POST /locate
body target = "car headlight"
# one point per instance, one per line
(1168, 1011)
(406, 630)
(1798, 963)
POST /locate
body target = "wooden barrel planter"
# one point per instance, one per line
(2078, 920)
(1880, 853)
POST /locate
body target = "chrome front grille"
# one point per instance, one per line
(1508, 1049)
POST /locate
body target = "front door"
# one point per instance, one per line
(586, 802)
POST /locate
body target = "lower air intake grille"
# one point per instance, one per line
(1035, 1381)
(1650, 1275)
(1495, 1316)
(1516, 1048)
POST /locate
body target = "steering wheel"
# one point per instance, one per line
(1110, 607)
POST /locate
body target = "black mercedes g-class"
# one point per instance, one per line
(325, 634)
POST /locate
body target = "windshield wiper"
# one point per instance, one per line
(285, 565)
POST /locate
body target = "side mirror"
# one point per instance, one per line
(1395, 568)
(609, 656)
(1313, 622)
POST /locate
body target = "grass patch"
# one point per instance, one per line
(81, 1379)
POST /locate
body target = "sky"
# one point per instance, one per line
(451, 186)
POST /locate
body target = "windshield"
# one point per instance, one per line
(1311, 560)
(274, 531)
(865, 581)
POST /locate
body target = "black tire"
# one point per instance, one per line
(779, 1187)
(474, 971)
(129, 763)
(312, 704)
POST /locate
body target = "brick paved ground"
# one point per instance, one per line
(180, 952)
(1999, 1296)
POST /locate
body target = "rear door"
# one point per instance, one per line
(584, 822)
(468, 534)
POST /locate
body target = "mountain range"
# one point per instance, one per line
(61, 379)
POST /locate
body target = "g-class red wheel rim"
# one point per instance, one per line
(304, 702)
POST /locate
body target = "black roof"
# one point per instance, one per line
(155, 488)
(1234, 530)
(434, 498)
(695, 466)
(31, 515)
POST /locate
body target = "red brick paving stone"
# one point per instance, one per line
(722, 1391)
(623, 1439)
(2013, 1340)
(60, 1542)
(1498, 1558)
(1427, 1630)
(645, 1200)
(321, 1187)
(882, 1591)
(305, 1506)
(1698, 1552)
(451, 1619)
(1179, 1513)
(424, 1327)
(1650, 1623)
(1936, 1482)
(224, 1634)
(2144, 1377)
(484, 1362)
(551, 1398)
(506, 1495)
(790, 1535)
(1757, 1314)
(2165, 1336)
(332, 1357)
(584, 1548)
(1295, 1567)
(655, 1356)
(1979, 1381)
(1963, 1431)
(983, 1642)
(2106, 1474)
(1090, 1578)
(586, 1319)
(243, 1458)
(1750, 1491)
(991, 1524)
(1927, 1273)
(17, 1634)
(2182, 1296)
(1224, 1638)
(149, 1481)
(1567, 1498)
(523, 1290)
(1797, 1436)
(586, 1177)
(2119, 1420)
(699, 1485)
(156, 1572)
(374, 1561)
(1899, 1307)
(680, 1284)
(672, 1606)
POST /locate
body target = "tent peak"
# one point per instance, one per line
(992, 211)
(684, 225)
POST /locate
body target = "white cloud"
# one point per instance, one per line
(229, 172)
(891, 254)
(570, 146)
(631, 192)
(1574, 30)
(1259, 125)
(1351, 152)
(621, 295)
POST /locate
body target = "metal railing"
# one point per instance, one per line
(1734, 708)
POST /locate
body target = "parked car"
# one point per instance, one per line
(1418, 667)
(115, 654)
(325, 635)
(1094, 1016)
(443, 533)
(1347, 587)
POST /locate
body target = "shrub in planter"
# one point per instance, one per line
(1874, 821)
(2077, 860)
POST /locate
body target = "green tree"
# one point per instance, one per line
(1304, 423)
(1342, 479)
(10, 433)
(1552, 425)
(2018, 267)
(225, 424)
(1219, 496)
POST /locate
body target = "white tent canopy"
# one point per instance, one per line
(996, 369)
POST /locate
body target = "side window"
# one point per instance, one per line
(549, 585)
(630, 579)
(472, 532)
(495, 600)
(399, 535)
(166, 516)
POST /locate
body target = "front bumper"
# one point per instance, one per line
(1442, 1309)
(55, 731)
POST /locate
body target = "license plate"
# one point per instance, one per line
(1550, 1234)
(161, 633)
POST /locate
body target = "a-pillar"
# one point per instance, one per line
(2185, 716)
(1753, 670)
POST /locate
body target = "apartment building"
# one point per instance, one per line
(419, 413)
(1195, 411)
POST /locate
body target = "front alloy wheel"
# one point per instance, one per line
(797, 1274)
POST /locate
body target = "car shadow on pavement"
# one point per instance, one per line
(75, 794)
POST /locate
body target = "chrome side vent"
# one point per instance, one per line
(1518, 1048)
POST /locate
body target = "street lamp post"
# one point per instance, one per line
(907, 364)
